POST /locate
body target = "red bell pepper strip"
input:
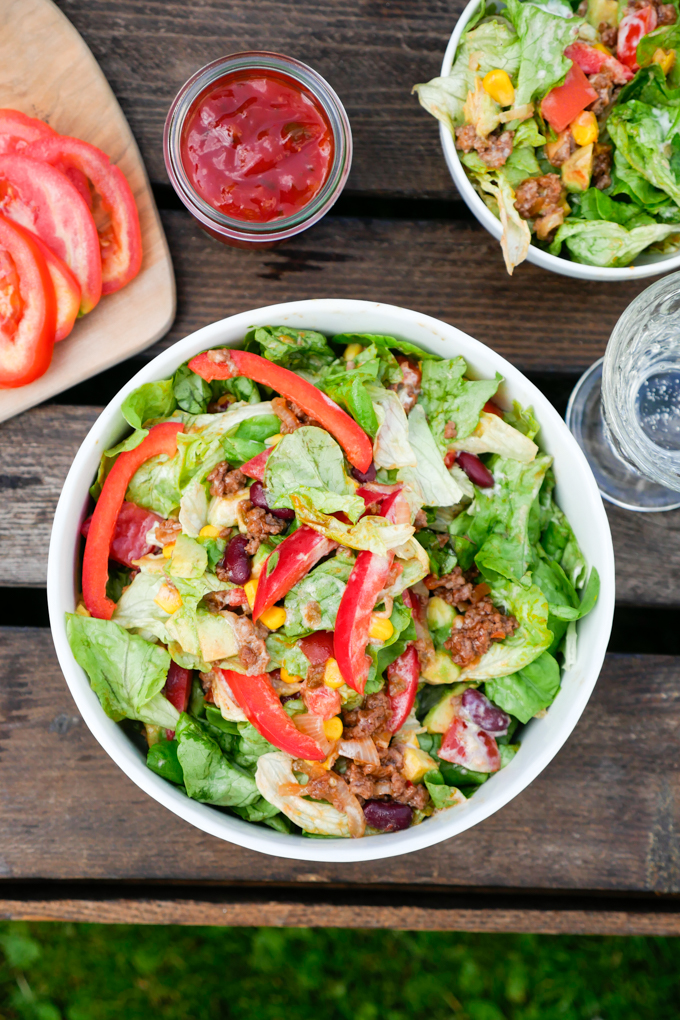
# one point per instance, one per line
(254, 468)
(162, 439)
(565, 102)
(368, 578)
(178, 687)
(28, 308)
(592, 61)
(120, 238)
(291, 560)
(129, 538)
(402, 686)
(227, 363)
(260, 704)
(631, 30)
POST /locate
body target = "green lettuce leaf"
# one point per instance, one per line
(375, 534)
(391, 449)
(286, 652)
(528, 691)
(309, 463)
(162, 759)
(385, 343)
(598, 243)
(430, 478)
(126, 672)
(302, 350)
(543, 38)
(443, 796)
(208, 775)
(522, 419)
(593, 204)
(347, 386)
(137, 611)
(520, 164)
(193, 394)
(448, 396)
(148, 402)
(642, 132)
(559, 542)
(319, 591)
(251, 745)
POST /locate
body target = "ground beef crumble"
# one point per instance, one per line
(225, 482)
(290, 415)
(367, 782)
(250, 637)
(492, 150)
(558, 154)
(542, 200)
(372, 718)
(603, 83)
(475, 630)
(259, 524)
(602, 164)
(409, 388)
(168, 531)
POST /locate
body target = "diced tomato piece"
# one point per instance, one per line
(36, 195)
(318, 647)
(115, 211)
(28, 308)
(402, 686)
(322, 701)
(632, 28)
(592, 61)
(254, 468)
(178, 687)
(257, 698)
(291, 560)
(66, 290)
(129, 539)
(565, 102)
(465, 744)
(492, 408)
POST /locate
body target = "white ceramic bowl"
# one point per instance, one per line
(645, 265)
(577, 494)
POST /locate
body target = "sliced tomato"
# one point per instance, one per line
(17, 131)
(178, 687)
(254, 468)
(66, 290)
(318, 647)
(115, 211)
(129, 538)
(632, 28)
(592, 61)
(565, 102)
(39, 197)
(28, 308)
(466, 744)
(322, 701)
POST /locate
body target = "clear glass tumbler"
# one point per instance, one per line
(625, 410)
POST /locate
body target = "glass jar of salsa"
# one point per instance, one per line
(258, 147)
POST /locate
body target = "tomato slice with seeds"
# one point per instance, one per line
(27, 308)
(37, 196)
(114, 209)
(18, 131)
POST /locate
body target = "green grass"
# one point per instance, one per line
(128, 972)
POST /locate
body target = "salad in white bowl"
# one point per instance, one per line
(326, 580)
(566, 122)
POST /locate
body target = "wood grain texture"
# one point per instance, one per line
(371, 51)
(325, 915)
(604, 815)
(451, 270)
(47, 71)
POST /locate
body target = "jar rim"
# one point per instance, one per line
(329, 101)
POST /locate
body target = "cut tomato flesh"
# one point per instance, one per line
(255, 468)
(322, 701)
(565, 102)
(129, 538)
(115, 211)
(27, 308)
(592, 61)
(465, 744)
(17, 131)
(318, 647)
(37, 196)
(631, 30)
(66, 290)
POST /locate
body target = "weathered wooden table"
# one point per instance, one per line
(594, 844)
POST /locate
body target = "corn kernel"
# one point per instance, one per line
(330, 761)
(333, 727)
(168, 550)
(168, 598)
(274, 440)
(250, 588)
(664, 58)
(602, 48)
(497, 84)
(584, 128)
(290, 678)
(380, 629)
(81, 610)
(332, 677)
(274, 617)
(209, 531)
(352, 351)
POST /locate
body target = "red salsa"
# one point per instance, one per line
(257, 146)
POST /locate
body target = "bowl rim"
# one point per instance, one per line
(61, 582)
(553, 263)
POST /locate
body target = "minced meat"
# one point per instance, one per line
(475, 630)
(456, 588)
(492, 150)
(385, 780)
(290, 415)
(224, 481)
(259, 524)
(542, 199)
(603, 83)
(602, 164)
(372, 718)
(409, 388)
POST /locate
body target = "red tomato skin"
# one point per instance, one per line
(161, 439)
(129, 539)
(565, 102)
(261, 707)
(631, 30)
(26, 355)
(228, 363)
(66, 290)
(402, 686)
(39, 197)
(322, 701)
(178, 687)
(296, 556)
(465, 744)
(318, 647)
(17, 131)
(121, 258)
(255, 468)
(592, 61)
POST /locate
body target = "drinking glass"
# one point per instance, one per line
(625, 410)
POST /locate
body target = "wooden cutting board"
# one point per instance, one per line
(47, 71)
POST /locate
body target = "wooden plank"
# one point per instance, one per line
(604, 815)
(371, 52)
(451, 270)
(273, 913)
(47, 71)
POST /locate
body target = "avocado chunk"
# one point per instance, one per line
(578, 169)
(215, 636)
(606, 11)
(439, 613)
(443, 669)
(440, 717)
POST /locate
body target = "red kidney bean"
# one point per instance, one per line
(477, 472)
(236, 561)
(478, 709)
(387, 815)
(364, 476)
(258, 497)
